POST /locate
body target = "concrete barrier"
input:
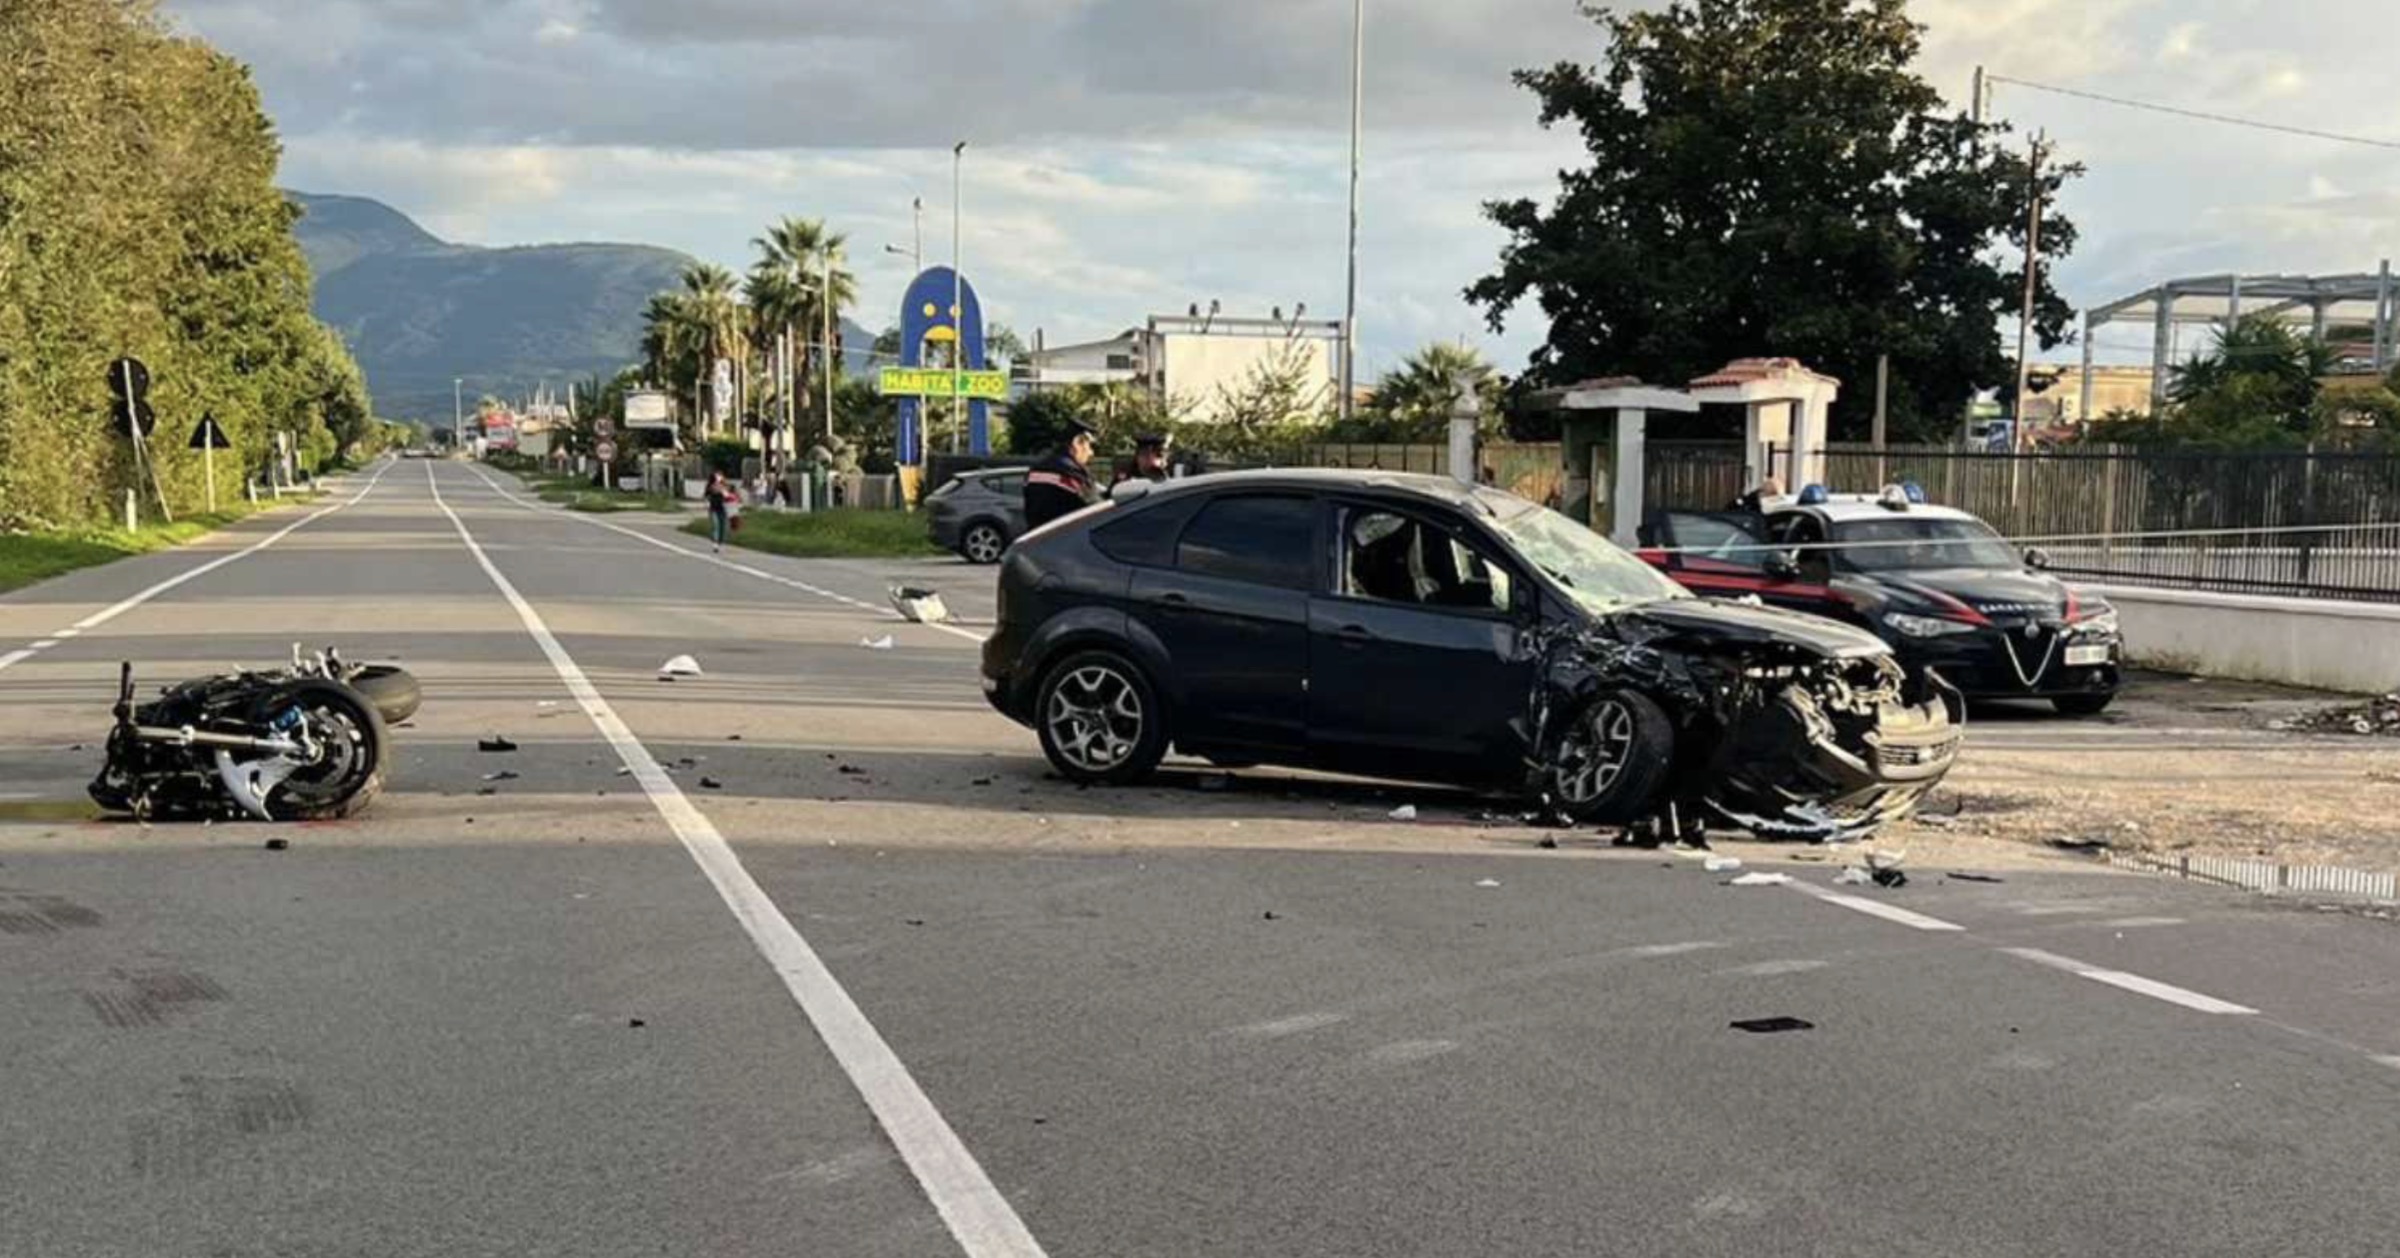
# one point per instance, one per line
(2322, 643)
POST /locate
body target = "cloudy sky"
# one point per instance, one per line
(1136, 156)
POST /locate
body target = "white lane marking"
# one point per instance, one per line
(1672, 949)
(1872, 909)
(1297, 1024)
(43, 645)
(982, 1221)
(2393, 1062)
(2131, 923)
(102, 617)
(1769, 969)
(718, 560)
(68, 633)
(2130, 982)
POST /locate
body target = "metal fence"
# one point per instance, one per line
(2312, 524)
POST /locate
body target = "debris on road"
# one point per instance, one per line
(711, 784)
(504, 775)
(1488, 883)
(850, 770)
(278, 845)
(733, 738)
(1956, 876)
(624, 771)
(1405, 812)
(2377, 717)
(1852, 876)
(1889, 878)
(495, 744)
(680, 666)
(883, 643)
(919, 606)
(1721, 864)
(1771, 1026)
(1761, 880)
(635, 1023)
(1273, 916)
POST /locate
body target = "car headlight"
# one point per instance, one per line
(1926, 626)
(2102, 625)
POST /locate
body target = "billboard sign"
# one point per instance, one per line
(982, 386)
(647, 408)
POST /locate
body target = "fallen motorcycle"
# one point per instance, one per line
(296, 744)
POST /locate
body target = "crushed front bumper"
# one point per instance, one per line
(1795, 770)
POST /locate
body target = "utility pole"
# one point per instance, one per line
(958, 297)
(833, 352)
(1358, 77)
(917, 206)
(2033, 255)
(1975, 107)
(458, 415)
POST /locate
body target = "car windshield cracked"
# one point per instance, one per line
(1596, 574)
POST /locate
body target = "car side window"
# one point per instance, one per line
(1719, 539)
(1010, 486)
(1147, 533)
(1393, 558)
(1261, 539)
(1805, 533)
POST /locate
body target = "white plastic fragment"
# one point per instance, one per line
(680, 666)
(1852, 877)
(1722, 864)
(1489, 882)
(919, 606)
(1761, 880)
(883, 643)
(1405, 812)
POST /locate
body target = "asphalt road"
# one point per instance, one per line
(887, 989)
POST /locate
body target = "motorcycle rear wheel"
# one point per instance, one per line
(355, 753)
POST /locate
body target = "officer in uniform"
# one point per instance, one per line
(1061, 485)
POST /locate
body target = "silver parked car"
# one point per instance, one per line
(977, 514)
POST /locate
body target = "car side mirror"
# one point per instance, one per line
(2036, 557)
(1783, 565)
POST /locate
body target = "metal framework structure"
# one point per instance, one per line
(2317, 300)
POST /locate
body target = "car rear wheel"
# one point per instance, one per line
(1606, 766)
(2084, 705)
(1100, 720)
(982, 543)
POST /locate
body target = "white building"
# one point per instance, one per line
(1196, 362)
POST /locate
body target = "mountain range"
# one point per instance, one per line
(420, 312)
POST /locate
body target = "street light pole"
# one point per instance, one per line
(832, 350)
(917, 210)
(1358, 75)
(958, 297)
(458, 415)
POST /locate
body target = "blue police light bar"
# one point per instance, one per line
(1915, 491)
(1814, 496)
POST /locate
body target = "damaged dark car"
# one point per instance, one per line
(1412, 628)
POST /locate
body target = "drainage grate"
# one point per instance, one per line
(2263, 876)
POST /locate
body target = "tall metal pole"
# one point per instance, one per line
(458, 415)
(958, 297)
(918, 204)
(1358, 77)
(832, 351)
(2033, 254)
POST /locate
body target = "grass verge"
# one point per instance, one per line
(29, 557)
(577, 493)
(845, 533)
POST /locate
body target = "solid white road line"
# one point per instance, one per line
(2130, 982)
(718, 560)
(99, 618)
(978, 1216)
(1872, 909)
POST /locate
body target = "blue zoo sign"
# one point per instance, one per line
(926, 315)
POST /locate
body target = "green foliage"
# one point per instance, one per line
(2260, 386)
(725, 454)
(29, 557)
(844, 533)
(1038, 424)
(1414, 402)
(1772, 177)
(138, 215)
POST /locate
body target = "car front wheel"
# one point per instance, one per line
(1100, 720)
(1607, 764)
(982, 543)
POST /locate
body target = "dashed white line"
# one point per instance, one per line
(719, 560)
(105, 615)
(1917, 921)
(978, 1216)
(2130, 982)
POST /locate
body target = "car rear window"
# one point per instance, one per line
(1259, 539)
(1147, 536)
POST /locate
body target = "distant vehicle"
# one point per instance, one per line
(1410, 627)
(977, 514)
(1939, 585)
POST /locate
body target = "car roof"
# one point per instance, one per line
(1843, 512)
(1418, 485)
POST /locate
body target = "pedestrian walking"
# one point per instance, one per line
(1061, 485)
(721, 496)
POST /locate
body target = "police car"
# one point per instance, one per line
(1939, 585)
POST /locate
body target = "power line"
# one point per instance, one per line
(2204, 116)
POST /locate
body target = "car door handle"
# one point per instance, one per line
(1356, 635)
(1173, 599)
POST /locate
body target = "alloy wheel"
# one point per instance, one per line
(1596, 752)
(1095, 717)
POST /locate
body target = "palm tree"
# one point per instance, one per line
(712, 316)
(787, 290)
(1420, 395)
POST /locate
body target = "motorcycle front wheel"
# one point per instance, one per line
(353, 753)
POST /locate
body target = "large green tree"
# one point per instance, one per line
(139, 215)
(1771, 177)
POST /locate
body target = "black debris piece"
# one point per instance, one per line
(1889, 877)
(278, 845)
(635, 1023)
(983, 781)
(1548, 844)
(488, 790)
(687, 762)
(1041, 1122)
(2081, 847)
(1955, 876)
(913, 921)
(733, 738)
(495, 744)
(711, 784)
(830, 756)
(1771, 1026)
(851, 770)
(504, 775)
(1274, 916)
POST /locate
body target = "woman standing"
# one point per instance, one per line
(721, 497)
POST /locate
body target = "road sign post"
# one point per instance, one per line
(208, 438)
(129, 381)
